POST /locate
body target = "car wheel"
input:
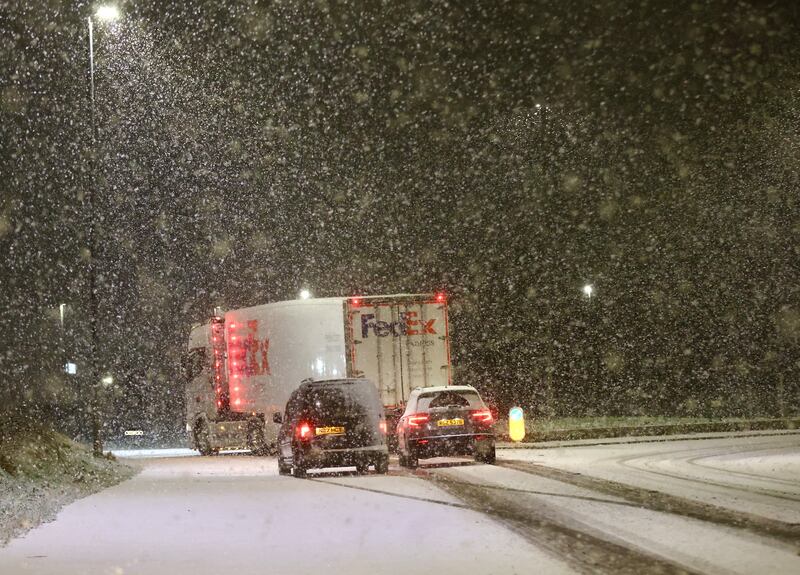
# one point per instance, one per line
(489, 456)
(298, 465)
(412, 459)
(382, 466)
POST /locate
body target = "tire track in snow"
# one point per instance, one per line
(664, 502)
(646, 463)
(586, 551)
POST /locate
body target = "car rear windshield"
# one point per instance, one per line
(449, 398)
(346, 401)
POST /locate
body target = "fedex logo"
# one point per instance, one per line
(407, 325)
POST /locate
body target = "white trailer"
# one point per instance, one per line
(242, 366)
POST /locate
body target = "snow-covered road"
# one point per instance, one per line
(754, 473)
(723, 505)
(235, 514)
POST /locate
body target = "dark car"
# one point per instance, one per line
(332, 423)
(450, 420)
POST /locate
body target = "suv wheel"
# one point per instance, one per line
(298, 465)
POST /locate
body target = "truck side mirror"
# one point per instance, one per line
(277, 418)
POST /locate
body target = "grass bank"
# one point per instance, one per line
(42, 471)
(566, 428)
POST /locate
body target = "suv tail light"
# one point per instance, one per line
(304, 430)
(483, 416)
(417, 419)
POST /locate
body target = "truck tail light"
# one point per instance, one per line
(482, 416)
(304, 431)
(417, 419)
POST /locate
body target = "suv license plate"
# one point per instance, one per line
(450, 422)
(329, 431)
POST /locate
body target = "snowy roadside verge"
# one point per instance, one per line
(42, 471)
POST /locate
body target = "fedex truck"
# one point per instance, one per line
(241, 366)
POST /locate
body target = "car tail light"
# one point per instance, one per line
(304, 431)
(417, 419)
(383, 426)
(482, 416)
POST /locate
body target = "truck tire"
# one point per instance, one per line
(202, 441)
(256, 442)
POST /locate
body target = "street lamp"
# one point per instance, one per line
(588, 290)
(105, 13)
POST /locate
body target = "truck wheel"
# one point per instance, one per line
(202, 441)
(256, 442)
(382, 465)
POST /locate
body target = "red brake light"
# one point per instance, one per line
(441, 297)
(355, 302)
(383, 426)
(482, 415)
(417, 419)
(304, 431)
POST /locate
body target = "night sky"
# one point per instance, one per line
(509, 153)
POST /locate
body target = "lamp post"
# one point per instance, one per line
(106, 13)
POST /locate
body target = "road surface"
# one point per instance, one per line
(595, 508)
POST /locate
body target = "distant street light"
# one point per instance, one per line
(588, 290)
(107, 380)
(105, 13)
(305, 294)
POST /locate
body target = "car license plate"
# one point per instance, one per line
(329, 431)
(450, 422)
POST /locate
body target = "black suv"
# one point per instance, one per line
(333, 423)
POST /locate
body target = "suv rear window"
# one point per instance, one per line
(343, 401)
(449, 398)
